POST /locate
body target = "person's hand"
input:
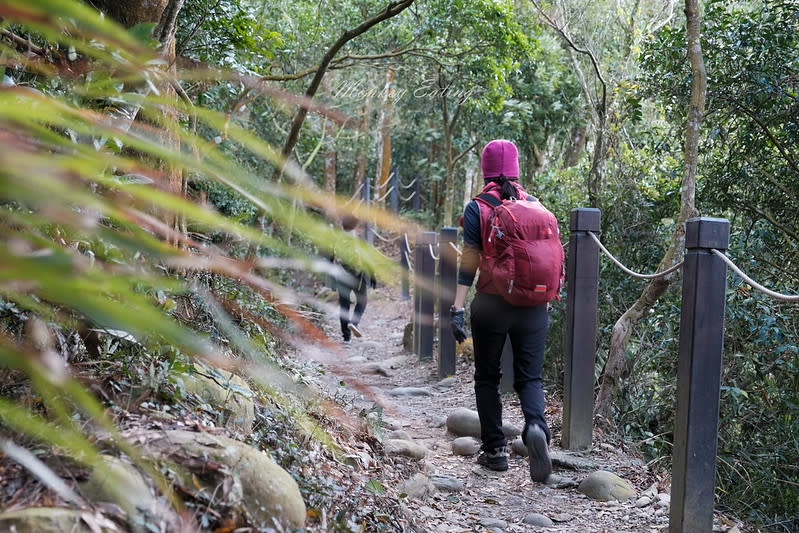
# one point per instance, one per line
(456, 322)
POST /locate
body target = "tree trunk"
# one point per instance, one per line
(576, 147)
(384, 139)
(330, 157)
(360, 166)
(618, 364)
(163, 12)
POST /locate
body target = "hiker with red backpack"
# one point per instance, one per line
(514, 242)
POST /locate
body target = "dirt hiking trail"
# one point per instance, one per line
(442, 491)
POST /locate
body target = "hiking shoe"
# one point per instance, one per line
(497, 459)
(354, 329)
(540, 463)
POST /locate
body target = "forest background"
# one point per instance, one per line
(150, 196)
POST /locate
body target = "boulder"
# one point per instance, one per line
(572, 461)
(605, 486)
(46, 520)
(510, 431)
(224, 391)
(234, 474)
(538, 520)
(400, 434)
(447, 382)
(119, 482)
(417, 487)
(464, 422)
(446, 483)
(410, 391)
(405, 448)
(465, 446)
(489, 522)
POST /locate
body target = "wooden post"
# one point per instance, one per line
(418, 253)
(394, 195)
(704, 289)
(416, 201)
(425, 278)
(448, 272)
(582, 278)
(405, 258)
(367, 199)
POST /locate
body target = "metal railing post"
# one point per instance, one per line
(699, 376)
(448, 276)
(582, 285)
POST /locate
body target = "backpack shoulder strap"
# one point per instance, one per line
(488, 199)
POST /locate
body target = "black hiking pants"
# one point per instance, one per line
(349, 292)
(493, 319)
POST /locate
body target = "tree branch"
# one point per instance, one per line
(22, 42)
(769, 216)
(752, 115)
(462, 154)
(393, 9)
(565, 36)
(179, 48)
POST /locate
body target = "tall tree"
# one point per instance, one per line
(618, 364)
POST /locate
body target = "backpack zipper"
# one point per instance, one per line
(510, 287)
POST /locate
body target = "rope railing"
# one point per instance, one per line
(406, 199)
(382, 184)
(386, 195)
(457, 250)
(408, 261)
(432, 253)
(631, 272)
(355, 194)
(405, 250)
(384, 239)
(753, 283)
(411, 184)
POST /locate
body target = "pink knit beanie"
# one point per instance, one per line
(500, 158)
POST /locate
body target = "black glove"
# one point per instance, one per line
(456, 322)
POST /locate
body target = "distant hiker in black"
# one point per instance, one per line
(356, 284)
(493, 319)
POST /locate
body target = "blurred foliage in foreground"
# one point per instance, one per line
(98, 244)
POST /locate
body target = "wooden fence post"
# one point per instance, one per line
(394, 195)
(425, 282)
(699, 376)
(582, 278)
(448, 274)
(424, 278)
(405, 259)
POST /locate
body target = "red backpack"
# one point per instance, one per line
(522, 256)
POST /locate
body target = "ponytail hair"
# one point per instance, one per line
(507, 190)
